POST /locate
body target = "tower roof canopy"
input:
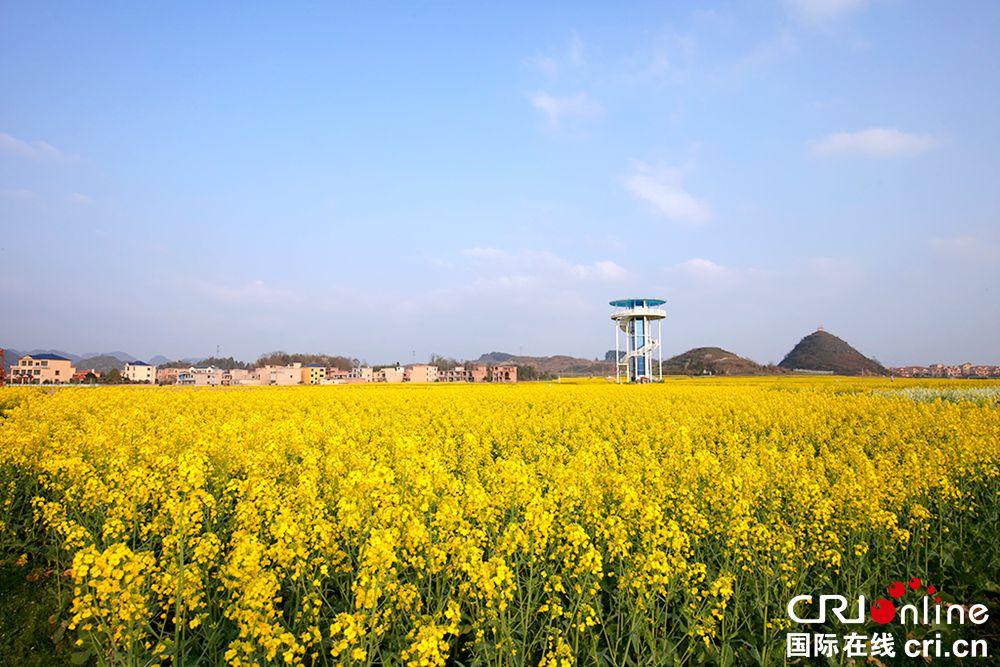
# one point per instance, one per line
(636, 303)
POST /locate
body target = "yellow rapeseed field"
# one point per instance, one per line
(536, 524)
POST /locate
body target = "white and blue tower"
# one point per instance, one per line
(636, 319)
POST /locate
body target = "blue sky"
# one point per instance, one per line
(389, 181)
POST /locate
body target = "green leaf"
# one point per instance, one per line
(80, 657)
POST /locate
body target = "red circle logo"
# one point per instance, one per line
(883, 611)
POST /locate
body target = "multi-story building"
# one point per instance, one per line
(910, 371)
(313, 374)
(479, 373)
(200, 376)
(42, 369)
(337, 376)
(168, 375)
(456, 374)
(139, 371)
(965, 370)
(280, 375)
(361, 374)
(390, 374)
(239, 377)
(420, 373)
(503, 373)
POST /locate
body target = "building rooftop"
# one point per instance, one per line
(636, 303)
(137, 363)
(49, 357)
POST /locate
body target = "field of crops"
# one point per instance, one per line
(535, 524)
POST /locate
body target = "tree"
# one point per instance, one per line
(281, 358)
(113, 376)
(225, 363)
(529, 373)
(443, 363)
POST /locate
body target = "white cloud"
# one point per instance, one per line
(545, 64)
(33, 150)
(703, 268)
(967, 247)
(78, 198)
(822, 11)
(874, 142)
(762, 56)
(699, 273)
(830, 272)
(254, 292)
(490, 254)
(699, 269)
(18, 194)
(606, 270)
(551, 65)
(556, 108)
(663, 189)
(499, 268)
(669, 58)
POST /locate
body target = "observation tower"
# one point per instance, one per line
(635, 318)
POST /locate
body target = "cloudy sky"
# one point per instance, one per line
(387, 181)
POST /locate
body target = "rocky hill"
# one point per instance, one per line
(699, 361)
(822, 351)
(714, 361)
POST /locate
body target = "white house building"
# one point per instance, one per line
(139, 371)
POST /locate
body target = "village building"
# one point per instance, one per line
(42, 369)
(280, 375)
(313, 374)
(200, 376)
(139, 371)
(167, 375)
(390, 374)
(420, 373)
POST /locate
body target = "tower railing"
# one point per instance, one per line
(639, 311)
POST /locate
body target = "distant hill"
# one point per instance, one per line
(158, 359)
(496, 358)
(558, 364)
(699, 361)
(122, 356)
(61, 353)
(822, 351)
(101, 363)
(714, 361)
(10, 357)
